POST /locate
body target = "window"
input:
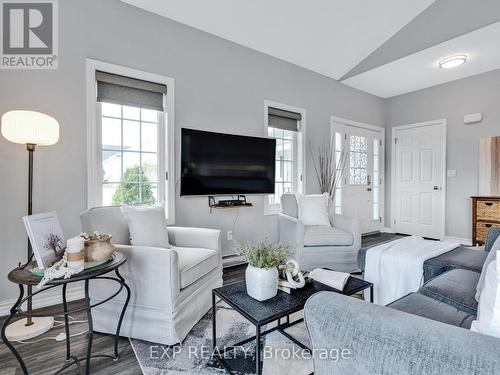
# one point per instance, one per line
(130, 147)
(358, 160)
(376, 179)
(285, 124)
(130, 157)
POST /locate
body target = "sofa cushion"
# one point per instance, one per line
(322, 235)
(461, 257)
(418, 304)
(195, 263)
(456, 287)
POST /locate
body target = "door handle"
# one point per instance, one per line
(437, 188)
(369, 189)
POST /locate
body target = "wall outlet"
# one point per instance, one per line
(229, 235)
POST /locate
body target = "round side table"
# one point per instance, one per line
(23, 277)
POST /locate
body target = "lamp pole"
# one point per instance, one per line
(31, 129)
(31, 148)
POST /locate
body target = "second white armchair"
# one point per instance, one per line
(319, 246)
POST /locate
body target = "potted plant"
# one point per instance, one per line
(329, 166)
(261, 275)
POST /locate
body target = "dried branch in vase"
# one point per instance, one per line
(329, 166)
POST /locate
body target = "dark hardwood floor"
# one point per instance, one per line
(46, 356)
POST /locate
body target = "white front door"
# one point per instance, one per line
(419, 179)
(361, 190)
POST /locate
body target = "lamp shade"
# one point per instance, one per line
(29, 127)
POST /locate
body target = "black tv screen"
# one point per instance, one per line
(226, 164)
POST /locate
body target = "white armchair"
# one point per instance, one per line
(316, 246)
(171, 289)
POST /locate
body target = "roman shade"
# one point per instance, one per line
(113, 88)
(281, 119)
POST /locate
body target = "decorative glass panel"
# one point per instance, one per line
(358, 160)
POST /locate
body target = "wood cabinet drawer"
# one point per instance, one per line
(482, 230)
(488, 210)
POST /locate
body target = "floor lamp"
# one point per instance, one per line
(31, 129)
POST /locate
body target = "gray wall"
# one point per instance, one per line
(452, 101)
(219, 86)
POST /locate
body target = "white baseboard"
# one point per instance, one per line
(387, 230)
(49, 298)
(462, 241)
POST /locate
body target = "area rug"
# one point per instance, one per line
(193, 356)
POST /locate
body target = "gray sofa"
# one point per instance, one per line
(408, 335)
(384, 341)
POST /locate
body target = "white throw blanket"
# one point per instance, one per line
(397, 268)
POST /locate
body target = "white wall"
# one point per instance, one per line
(452, 101)
(219, 85)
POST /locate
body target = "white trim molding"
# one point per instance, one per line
(394, 129)
(167, 164)
(45, 299)
(301, 151)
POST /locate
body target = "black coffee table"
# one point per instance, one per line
(274, 309)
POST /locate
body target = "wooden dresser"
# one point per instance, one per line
(485, 214)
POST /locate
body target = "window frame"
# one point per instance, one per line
(299, 152)
(166, 151)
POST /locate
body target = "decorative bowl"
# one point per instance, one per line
(98, 250)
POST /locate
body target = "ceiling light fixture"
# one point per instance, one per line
(452, 61)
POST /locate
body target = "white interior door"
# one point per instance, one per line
(419, 163)
(361, 190)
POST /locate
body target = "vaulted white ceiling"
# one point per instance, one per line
(383, 47)
(421, 69)
(326, 36)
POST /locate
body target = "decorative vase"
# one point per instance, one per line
(98, 250)
(262, 283)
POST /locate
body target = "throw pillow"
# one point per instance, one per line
(313, 209)
(147, 225)
(492, 255)
(488, 319)
(491, 237)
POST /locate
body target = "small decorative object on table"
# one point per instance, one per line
(290, 276)
(98, 246)
(46, 238)
(75, 255)
(261, 275)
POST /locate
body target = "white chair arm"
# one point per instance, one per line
(347, 224)
(152, 275)
(195, 237)
(291, 231)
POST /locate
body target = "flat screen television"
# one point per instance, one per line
(226, 164)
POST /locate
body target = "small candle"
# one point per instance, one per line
(75, 252)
